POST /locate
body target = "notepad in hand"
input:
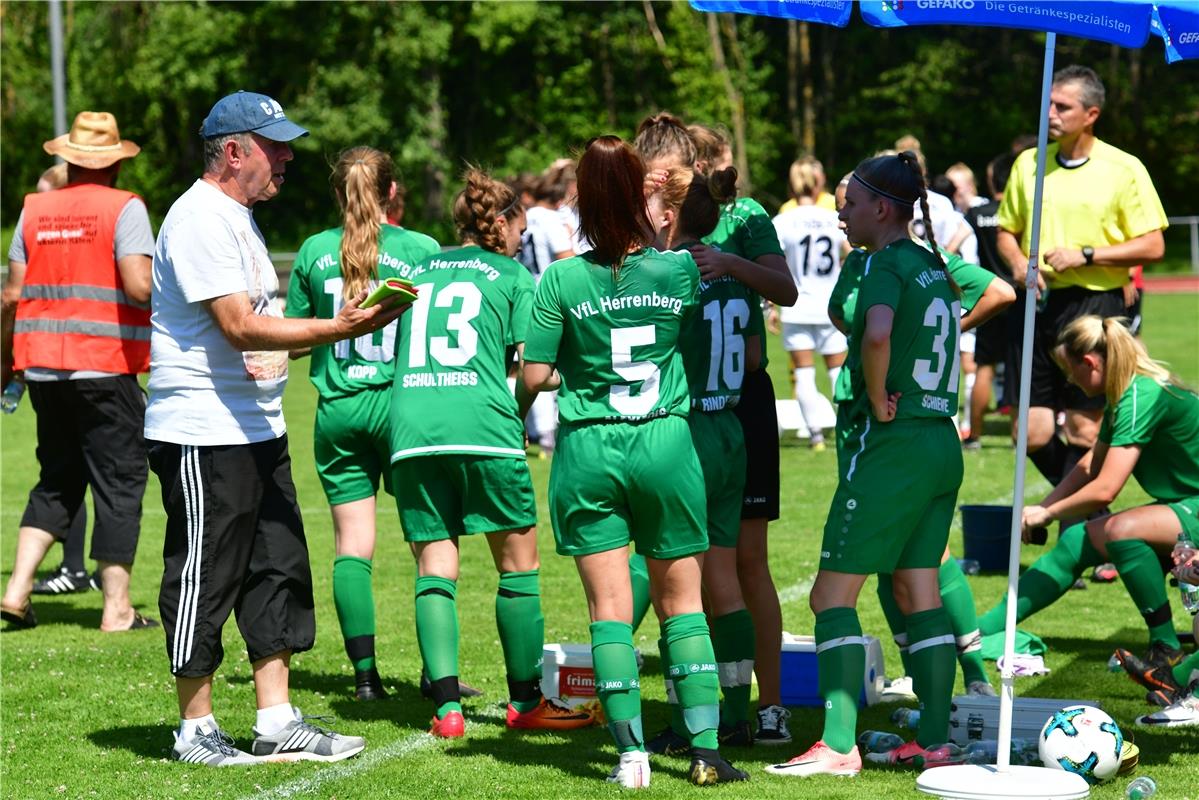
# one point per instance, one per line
(390, 287)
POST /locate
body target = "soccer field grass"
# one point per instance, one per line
(87, 715)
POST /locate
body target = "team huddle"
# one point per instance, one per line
(650, 339)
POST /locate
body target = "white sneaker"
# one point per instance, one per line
(211, 747)
(899, 691)
(1181, 714)
(633, 770)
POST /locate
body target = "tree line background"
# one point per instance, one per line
(514, 85)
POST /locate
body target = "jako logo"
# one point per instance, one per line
(576, 682)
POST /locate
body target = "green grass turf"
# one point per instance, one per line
(90, 715)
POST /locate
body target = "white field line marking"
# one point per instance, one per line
(800, 589)
(369, 760)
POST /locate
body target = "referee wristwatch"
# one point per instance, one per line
(1088, 254)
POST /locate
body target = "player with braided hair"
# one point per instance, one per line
(457, 452)
(353, 381)
(886, 517)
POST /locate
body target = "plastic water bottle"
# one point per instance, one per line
(879, 741)
(986, 751)
(1113, 664)
(11, 397)
(969, 566)
(906, 718)
(1141, 788)
(1189, 591)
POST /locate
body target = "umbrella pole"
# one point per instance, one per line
(1007, 695)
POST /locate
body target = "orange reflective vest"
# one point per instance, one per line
(73, 313)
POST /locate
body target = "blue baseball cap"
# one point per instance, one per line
(250, 112)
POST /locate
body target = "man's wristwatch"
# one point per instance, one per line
(1088, 254)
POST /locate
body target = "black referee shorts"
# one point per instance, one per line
(234, 542)
(1050, 389)
(89, 433)
(760, 424)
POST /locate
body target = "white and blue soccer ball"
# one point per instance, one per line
(1082, 740)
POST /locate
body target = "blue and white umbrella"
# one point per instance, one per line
(1117, 22)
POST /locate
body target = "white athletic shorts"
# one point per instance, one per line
(966, 342)
(824, 339)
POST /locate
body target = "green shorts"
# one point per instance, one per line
(615, 483)
(1187, 511)
(720, 446)
(352, 446)
(446, 496)
(896, 497)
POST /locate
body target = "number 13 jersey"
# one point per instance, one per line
(451, 393)
(924, 364)
(812, 242)
(614, 337)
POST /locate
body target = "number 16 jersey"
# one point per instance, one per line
(812, 242)
(451, 393)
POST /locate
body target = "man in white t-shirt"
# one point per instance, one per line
(217, 440)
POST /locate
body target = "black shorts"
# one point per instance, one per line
(760, 424)
(1050, 389)
(990, 342)
(234, 542)
(89, 433)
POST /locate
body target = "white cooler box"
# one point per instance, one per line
(567, 673)
(973, 717)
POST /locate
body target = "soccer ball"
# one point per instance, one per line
(1082, 740)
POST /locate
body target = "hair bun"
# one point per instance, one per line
(723, 185)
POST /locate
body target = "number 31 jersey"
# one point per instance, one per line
(812, 242)
(451, 393)
(615, 338)
(347, 367)
(924, 364)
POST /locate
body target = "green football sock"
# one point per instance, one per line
(617, 683)
(840, 665)
(1187, 670)
(733, 643)
(522, 635)
(639, 577)
(958, 601)
(1050, 577)
(355, 604)
(677, 723)
(437, 636)
(895, 620)
(692, 667)
(1142, 575)
(933, 669)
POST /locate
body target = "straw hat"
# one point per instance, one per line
(93, 143)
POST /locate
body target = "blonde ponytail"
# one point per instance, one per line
(362, 181)
(1124, 356)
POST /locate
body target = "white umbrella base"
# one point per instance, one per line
(986, 782)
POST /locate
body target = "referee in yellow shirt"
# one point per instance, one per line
(1100, 216)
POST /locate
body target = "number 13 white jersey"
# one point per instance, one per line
(812, 242)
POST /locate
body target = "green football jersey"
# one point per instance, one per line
(614, 337)
(745, 229)
(924, 363)
(315, 291)
(713, 343)
(843, 302)
(1164, 422)
(451, 390)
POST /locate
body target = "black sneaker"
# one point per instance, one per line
(736, 735)
(464, 689)
(1151, 675)
(772, 726)
(668, 743)
(1161, 654)
(64, 581)
(709, 768)
(368, 685)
